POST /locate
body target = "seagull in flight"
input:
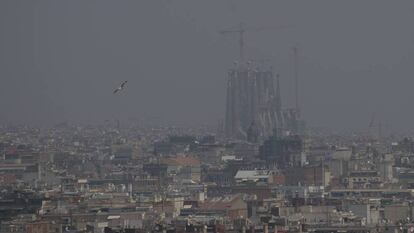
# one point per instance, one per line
(121, 87)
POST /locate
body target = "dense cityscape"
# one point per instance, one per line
(262, 168)
(237, 177)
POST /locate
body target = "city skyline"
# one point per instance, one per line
(176, 61)
(183, 116)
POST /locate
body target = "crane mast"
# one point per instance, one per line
(241, 30)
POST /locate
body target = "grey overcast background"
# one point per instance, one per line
(60, 60)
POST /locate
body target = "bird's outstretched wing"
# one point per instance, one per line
(123, 84)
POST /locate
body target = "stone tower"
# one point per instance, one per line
(252, 97)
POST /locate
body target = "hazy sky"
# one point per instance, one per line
(60, 60)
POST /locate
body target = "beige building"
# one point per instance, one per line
(232, 206)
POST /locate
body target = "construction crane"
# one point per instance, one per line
(295, 67)
(371, 122)
(241, 30)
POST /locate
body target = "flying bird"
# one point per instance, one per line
(121, 87)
